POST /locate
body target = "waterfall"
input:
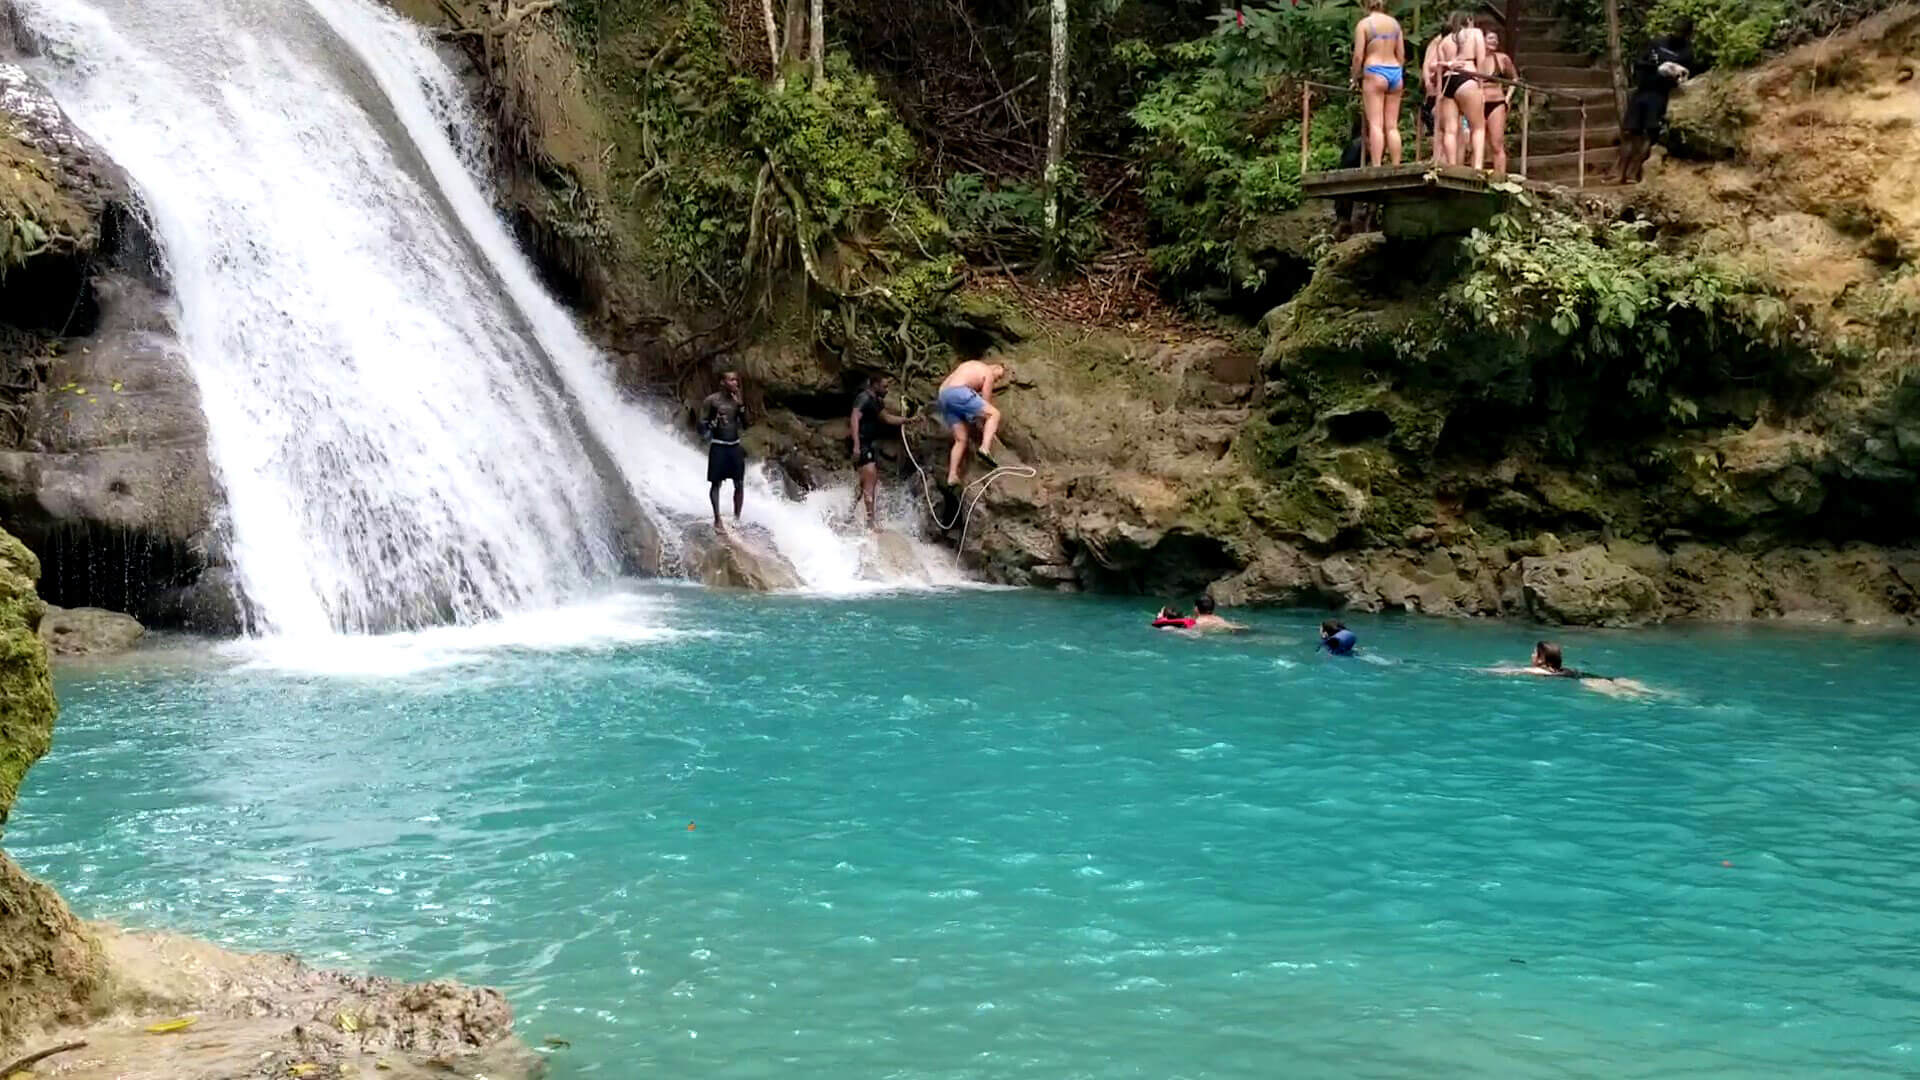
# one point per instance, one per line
(407, 427)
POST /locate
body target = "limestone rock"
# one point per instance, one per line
(89, 631)
(107, 474)
(733, 561)
(1587, 588)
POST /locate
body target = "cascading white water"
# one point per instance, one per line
(395, 405)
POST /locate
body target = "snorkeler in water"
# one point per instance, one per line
(1550, 662)
(1337, 639)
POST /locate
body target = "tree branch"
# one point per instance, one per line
(31, 1060)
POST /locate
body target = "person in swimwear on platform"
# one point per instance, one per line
(965, 398)
(1380, 71)
(1550, 663)
(1336, 638)
(1499, 97)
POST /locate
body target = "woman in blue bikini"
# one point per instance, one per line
(1379, 70)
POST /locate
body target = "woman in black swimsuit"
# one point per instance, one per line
(1499, 97)
(1462, 56)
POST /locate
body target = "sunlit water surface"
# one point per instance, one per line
(1004, 835)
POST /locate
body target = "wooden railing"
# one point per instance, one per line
(1527, 90)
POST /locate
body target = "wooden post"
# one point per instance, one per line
(1615, 61)
(1526, 118)
(1583, 142)
(1306, 127)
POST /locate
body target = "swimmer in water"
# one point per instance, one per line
(1172, 618)
(1549, 662)
(1205, 621)
(1336, 638)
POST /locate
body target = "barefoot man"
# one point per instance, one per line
(967, 397)
(723, 416)
(869, 420)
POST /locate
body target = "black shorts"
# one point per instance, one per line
(1646, 114)
(865, 456)
(726, 463)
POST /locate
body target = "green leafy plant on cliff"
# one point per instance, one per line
(1004, 223)
(1221, 130)
(1621, 313)
(778, 196)
(1726, 33)
(1729, 33)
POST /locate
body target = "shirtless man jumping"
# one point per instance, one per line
(966, 397)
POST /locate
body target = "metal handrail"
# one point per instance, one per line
(1527, 90)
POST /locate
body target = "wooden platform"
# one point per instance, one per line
(1421, 181)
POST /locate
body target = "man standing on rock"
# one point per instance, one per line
(723, 417)
(1667, 62)
(967, 397)
(869, 421)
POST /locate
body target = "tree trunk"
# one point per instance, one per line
(817, 25)
(773, 36)
(1056, 135)
(1614, 60)
(794, 33)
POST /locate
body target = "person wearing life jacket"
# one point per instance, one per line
(1336, 638)
(1170, 618)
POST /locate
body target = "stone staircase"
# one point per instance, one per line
(1554, 142)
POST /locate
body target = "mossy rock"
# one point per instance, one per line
(26, 688)
(1709, 122)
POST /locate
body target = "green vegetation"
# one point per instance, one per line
(1220, 125)
(1727, 33)
(1650, 327)
(1004, 223)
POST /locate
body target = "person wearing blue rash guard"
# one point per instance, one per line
(1336, 638)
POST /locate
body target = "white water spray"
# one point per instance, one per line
(394, 401)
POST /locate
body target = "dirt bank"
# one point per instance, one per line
(273, 1016)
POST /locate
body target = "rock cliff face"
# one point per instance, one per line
(50, 968)
(1362, 449)
(103, 456)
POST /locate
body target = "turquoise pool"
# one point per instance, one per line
(1007, 835)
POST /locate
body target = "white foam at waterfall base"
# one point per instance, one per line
(376, 359)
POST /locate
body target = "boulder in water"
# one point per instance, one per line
(892, 558)
(1588, 588)
(731, 560)
(89, 631)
